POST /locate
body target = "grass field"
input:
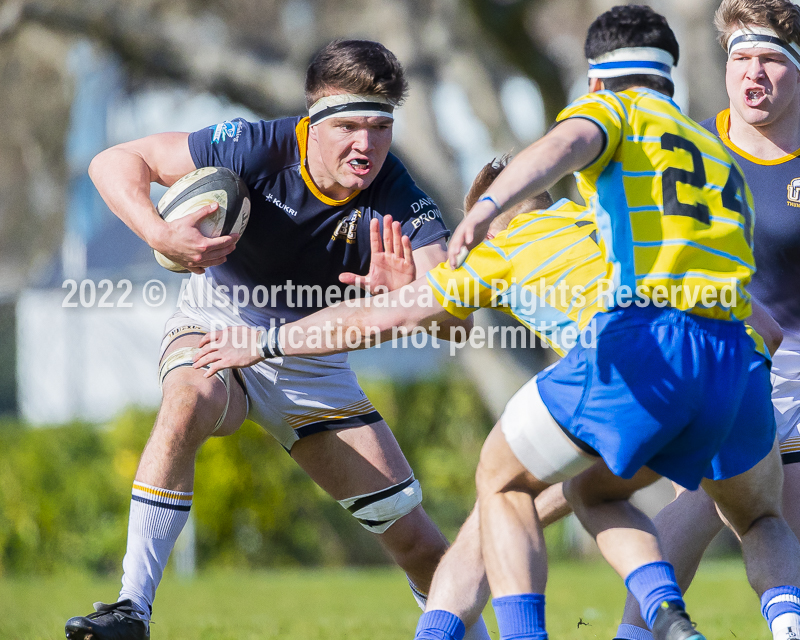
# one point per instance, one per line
(357, 604)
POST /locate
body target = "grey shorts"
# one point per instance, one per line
(293, 397)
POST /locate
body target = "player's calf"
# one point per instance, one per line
(416, 545)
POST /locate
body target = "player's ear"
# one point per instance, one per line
(596, 84)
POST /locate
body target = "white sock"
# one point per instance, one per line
(156, 520)
(786, 627)
(477, 631)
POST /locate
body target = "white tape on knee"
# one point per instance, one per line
(184, 357)
(379, 510)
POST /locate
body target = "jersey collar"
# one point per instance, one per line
(301, 130)
(723, 123)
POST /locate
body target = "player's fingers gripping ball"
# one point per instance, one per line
(198, 189)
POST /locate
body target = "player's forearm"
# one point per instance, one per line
(767, 327)
(572, 145)
(123, 180)
(362, 323)
(337, 329)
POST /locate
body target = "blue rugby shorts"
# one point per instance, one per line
(684, 395)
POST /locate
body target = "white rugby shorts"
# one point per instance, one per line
(293, 397)
(786, 395)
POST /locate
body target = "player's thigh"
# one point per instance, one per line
(414, 533)
(188, 392)
(598, 485)
(354, 461)
(529, 438)
(500, 470)
(751, 495)
(696, 505)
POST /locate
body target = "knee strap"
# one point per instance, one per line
(379, 510)
(184, 357)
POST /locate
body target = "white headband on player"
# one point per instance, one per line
(763, 38)
(349, 104)
(630, 61)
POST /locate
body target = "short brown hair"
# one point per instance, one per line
(488, 175)
(356, 66)
(782, 16)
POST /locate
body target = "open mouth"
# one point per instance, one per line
(754, 97)
(359, 163)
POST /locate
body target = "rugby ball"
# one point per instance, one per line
(198, 189)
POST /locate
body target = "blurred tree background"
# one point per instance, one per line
(468, 61)
(486, 76)
(65, 493)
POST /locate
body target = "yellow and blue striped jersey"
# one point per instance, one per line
(672, 209)
(543, 270)
(546, 270)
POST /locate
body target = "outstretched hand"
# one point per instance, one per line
(391, 264)
(470, 232)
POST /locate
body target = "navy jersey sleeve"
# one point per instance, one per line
(418, 214)
(254, 150)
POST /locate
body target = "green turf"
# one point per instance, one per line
(357, 604)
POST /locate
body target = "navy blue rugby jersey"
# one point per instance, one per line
(296, 233)
(775, 185)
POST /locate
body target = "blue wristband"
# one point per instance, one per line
(491, 199)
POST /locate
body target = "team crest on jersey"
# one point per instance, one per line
(347, 227)
(225, 130)
(793, 192)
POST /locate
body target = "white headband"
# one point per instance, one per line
(630, 61)
(763, 38)
(348, 104)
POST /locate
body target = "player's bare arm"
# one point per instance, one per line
(122, 175)
(448, 326)
(361, 323)
(570, 146)
(406, 308)
(767, 327)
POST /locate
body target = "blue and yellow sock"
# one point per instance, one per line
(157, 518)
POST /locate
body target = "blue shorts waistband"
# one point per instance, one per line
(675, 317)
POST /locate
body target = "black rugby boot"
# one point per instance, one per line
(673, 623)
(117, 621)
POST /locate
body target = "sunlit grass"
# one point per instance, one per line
(356, 604)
